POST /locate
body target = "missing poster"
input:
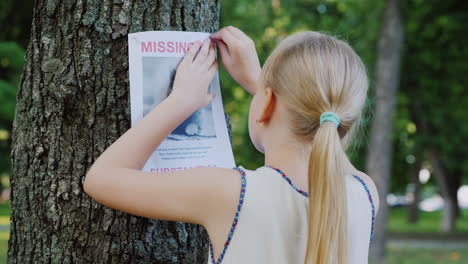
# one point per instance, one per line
(202, 139)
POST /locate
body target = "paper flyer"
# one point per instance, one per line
(200, 140)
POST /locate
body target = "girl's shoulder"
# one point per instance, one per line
(371, 186)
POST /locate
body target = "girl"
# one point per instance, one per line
(307, 101)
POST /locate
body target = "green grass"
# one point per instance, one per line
(4, 235)
(5, 209)
(426, 256)
(428, 221)
(4, 213)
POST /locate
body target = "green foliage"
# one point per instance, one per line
(15, 18)
(432, 75)
(7, 100)
(432, 112)
(11, 58)
(11, 64)
(268, 22)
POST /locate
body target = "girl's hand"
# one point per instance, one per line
(239, 56)
(194, 74)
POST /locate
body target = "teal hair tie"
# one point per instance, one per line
(329, 116)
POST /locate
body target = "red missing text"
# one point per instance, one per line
(165, 46)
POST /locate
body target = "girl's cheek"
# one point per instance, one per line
(253, 133)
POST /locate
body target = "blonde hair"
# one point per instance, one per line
(312, 73)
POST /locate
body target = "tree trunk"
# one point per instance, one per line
(448, 183)
(71, 105)
(450, 202)
(413, 214)
(380, 149)
(454, 184)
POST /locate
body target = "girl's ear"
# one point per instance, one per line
(269, 105)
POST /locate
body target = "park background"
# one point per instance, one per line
(428, 168)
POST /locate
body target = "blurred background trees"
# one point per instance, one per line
(429, 173)
(15, 18)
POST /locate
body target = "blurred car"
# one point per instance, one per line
(395, 201)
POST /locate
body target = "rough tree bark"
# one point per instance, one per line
(72, 104)
(379, 158)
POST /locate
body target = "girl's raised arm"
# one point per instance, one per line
(193, 195)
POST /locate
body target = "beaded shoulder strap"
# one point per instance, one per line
(372, 206)
(234, 222)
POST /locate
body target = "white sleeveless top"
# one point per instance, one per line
(270, 225)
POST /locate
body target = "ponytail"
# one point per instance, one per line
(310, 73)
(327, 232)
